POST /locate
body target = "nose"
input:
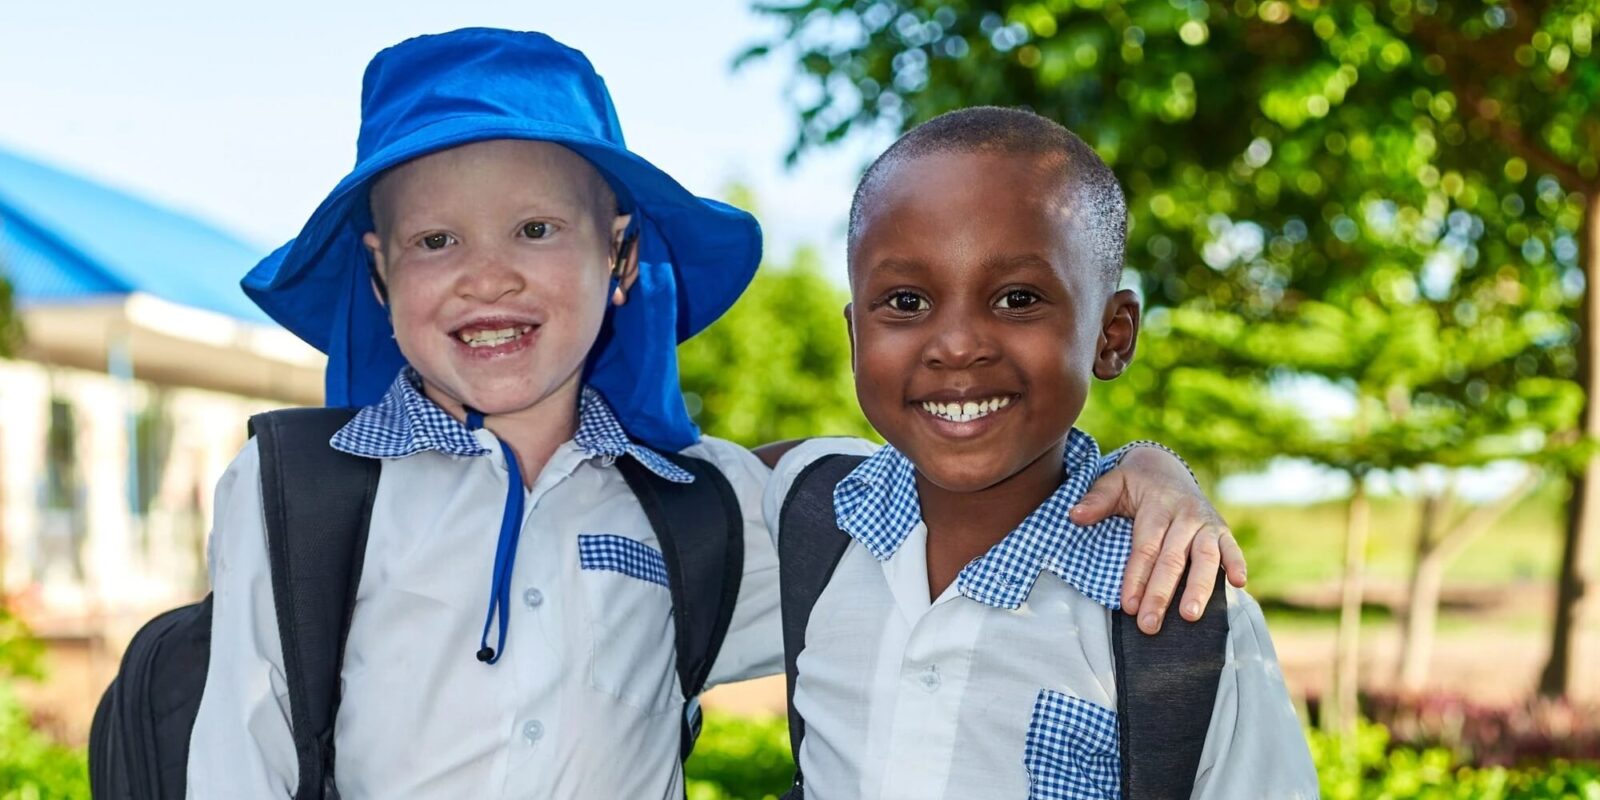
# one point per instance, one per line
(960, 342)
(489, 277)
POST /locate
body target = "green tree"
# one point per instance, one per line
(777, 365)
(10, 326)
(1299, 172)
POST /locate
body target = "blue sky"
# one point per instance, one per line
(245, 114)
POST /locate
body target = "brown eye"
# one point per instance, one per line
(536, 230)
(907, 302)
(1018, 298)
(436, 241)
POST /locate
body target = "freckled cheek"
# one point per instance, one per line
(415, 306)
(576, 298)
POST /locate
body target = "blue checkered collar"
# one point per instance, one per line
(405, 422)
(877, 505)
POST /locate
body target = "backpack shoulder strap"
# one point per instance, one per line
(701, 530)
(318, 503)
(1166, 688)
(810, 545)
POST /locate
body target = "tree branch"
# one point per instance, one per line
(1520, 145)
(1479, 520)
(1448, 46)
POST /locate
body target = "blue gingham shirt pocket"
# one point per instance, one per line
(612, 553)
(1072, 752)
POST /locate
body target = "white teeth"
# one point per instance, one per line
(967, 411)
(492, 338)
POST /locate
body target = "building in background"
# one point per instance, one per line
(140, 362)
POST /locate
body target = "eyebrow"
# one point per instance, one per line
(1003, 265)
(902, 267)
(1026, 262)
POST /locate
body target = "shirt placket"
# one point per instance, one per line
(933, 673)
(538, 644)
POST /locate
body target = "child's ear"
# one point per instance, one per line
(1118, 335)
(624, 257)
(374, 247)
(850, 331)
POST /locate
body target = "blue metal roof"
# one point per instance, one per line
(67, 239)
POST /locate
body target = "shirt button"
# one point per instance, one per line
(930, 679)
(533, 597)
(532, 730)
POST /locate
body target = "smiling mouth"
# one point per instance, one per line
(967, 411)
(492, 337)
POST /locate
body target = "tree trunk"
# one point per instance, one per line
(1348, 648)
(1567, 668)
(1422, 596)
(1435, 552)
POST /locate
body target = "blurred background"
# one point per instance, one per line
(1363, 233)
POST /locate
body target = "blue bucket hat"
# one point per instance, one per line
(436, 92)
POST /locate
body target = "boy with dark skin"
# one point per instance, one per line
(985, 252)
(982, 235)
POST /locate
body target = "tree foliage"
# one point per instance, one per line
(1385, 197)
(10, 326)
(1394, 200)
(777, 365)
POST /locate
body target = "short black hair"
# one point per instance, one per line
(1020, 132)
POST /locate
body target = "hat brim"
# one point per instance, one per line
(697, 256)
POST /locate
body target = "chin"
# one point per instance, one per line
(507, 400)
(960, 474)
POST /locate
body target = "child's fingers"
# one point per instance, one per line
(1101, 501)
(1149, 531)
(1164, 577)
(1233, 559)
(1205, 554)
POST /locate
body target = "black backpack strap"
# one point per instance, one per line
(810, 545)
(1166, 688)
(318, 504)
(701, 530)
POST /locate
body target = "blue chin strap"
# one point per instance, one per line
(505, 551)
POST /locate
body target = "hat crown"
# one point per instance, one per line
(523, 77)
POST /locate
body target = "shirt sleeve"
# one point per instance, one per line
(241, 745)
(753, 646)
(1256, 746)
(795, 462)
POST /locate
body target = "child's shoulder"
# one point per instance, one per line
(806, 453)
(794, 463)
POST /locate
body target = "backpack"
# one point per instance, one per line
(317, 503)
(1166, 684)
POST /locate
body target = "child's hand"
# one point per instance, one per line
(1173, 525)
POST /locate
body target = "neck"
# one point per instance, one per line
(962, 526)
(533, 433)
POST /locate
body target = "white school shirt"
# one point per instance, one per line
(585, 700)
(1003, 686)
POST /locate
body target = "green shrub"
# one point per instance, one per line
(748, 759)
(1369, 769)
(740, 758)
(32, 766)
